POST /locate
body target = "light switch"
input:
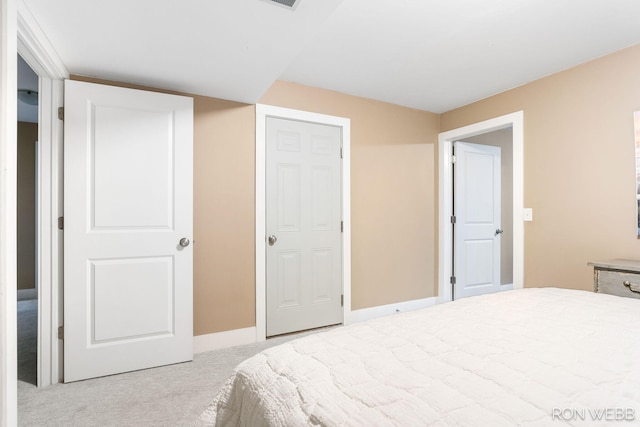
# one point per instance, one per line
(527, 214)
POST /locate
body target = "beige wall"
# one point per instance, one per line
(224, 216)
(27, 137)
(579, 171)
(392, 192)
(393, 211)
(503, 138)
(579, 179)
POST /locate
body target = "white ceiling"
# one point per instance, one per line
(433, 55)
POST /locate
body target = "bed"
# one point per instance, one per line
(540, 356)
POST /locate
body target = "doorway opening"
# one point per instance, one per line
(27, 286)
(36, 51)
(482, 235)
(479, 132)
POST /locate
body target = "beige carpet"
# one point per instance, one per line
(168, 396)
(27, 341)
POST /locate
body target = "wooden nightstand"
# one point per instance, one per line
(617, 277)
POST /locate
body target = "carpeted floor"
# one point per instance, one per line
(28, 341)
(167, 396)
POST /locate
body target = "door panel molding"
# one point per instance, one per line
(477, 195)
(303, 202)
(262, 112)
(445, 188)
(128, 205)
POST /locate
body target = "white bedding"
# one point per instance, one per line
(525, 357)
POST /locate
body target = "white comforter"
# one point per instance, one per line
(526, 357)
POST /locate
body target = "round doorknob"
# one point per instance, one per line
(184, 242)
(272, 240)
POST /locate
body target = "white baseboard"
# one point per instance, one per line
(226, 339)
(385, 310)
(25, 294)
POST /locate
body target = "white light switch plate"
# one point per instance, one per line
(527, 214)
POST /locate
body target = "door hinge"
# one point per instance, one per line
(453, 219)
(453, 280)
(342, 300)
(60, 223)
(341, 153)
(60, 332)
(342, 226)
(453, 159)
(61, 113)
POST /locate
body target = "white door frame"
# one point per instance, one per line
(445, 193)
(37, 51)
(8, 203)
(262, 112)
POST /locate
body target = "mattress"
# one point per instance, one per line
(541, 356)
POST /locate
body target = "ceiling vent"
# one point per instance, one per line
(289, 4)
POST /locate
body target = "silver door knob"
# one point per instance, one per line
(184, 242)
(499, 231)
(272, 240)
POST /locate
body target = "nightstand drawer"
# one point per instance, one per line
(617, 283)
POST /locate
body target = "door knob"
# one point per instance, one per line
(184, 242)
(272, 240)
(499, 231)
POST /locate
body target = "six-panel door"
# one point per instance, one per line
(304, 242)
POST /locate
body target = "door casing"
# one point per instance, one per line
(262, 112)
(8, 218)
(21, 34)
(37, 51)
(445, 193)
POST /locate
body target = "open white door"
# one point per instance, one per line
(128, 275)
(303, 224)
(477, 228)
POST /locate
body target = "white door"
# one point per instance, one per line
(303, 211)
(477, 228)
(128, 158)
